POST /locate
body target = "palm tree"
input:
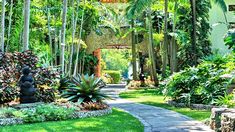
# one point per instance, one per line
(49, 32)
(26, 24)
(79, 41)
(133, 50)
(165, 45)
(9, 26)
(63, 32)
(193, 34)
(222, 4)
(138, 7)
(224, 8)
(3, 25)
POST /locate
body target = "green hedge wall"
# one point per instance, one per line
(115, 75)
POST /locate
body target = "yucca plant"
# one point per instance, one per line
(87, 89)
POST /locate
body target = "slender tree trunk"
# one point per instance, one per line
(56, 47)
(151, 52)
(79, 41)
(194, 35)
(3, 25)
(59, 47)
(134, 66)
(165, 44)
(174, 44)
(9, 26)
(26, 24)
(63, 32)
(74, 26)
(49, 33)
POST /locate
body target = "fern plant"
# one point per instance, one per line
(87, 89)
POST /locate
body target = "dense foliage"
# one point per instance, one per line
(11, 65)
(47, 113)
(201, 84)
(112, 77)
(117, 60)
(41, 113)
(229, 39)
(8, 94)
(184, 32)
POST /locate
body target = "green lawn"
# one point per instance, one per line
(152, 97)
(118, 121)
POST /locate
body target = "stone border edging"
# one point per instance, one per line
(96, 113)
(192, 106)
(11, 121)
(75, 115)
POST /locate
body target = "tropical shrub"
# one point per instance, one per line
(7, 112)
(8, 94)
(229, 39)
(115, 75)
(64, 83)
(11, 65)
(94, 106)
(45, 94)
(53, 112)
(137, 84)
(47, 112)
(47, 76)
(226, 100)
(87, 89)
(201, 84)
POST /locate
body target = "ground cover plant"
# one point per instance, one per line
(99, 124)
(155, 98)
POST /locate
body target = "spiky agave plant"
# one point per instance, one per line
(87, 89)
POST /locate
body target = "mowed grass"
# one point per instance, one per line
(118, 121)
(152, 97)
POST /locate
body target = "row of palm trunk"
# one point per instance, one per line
(169, 48)
(62, 40)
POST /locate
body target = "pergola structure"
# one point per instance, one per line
(108, 40)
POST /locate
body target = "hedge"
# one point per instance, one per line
(115, 75)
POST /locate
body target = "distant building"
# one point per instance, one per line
(219, 27)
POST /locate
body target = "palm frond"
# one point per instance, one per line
(222, 4)
(137, 7)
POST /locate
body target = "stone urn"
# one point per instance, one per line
(27, 87)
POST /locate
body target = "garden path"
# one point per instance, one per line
(154, 119)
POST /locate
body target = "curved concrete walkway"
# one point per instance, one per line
(154, 119)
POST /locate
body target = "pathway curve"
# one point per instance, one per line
(155, 119)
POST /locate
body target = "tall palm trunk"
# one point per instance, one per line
(174, 44)
(194, 46)
(74, 26)
(79, 42)
(56, 47)
(63, 32)
(151, 51)
(3, 25)
(26, 24)
(133, 51)
(165, 45)
(49, 33)
(9, 26)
